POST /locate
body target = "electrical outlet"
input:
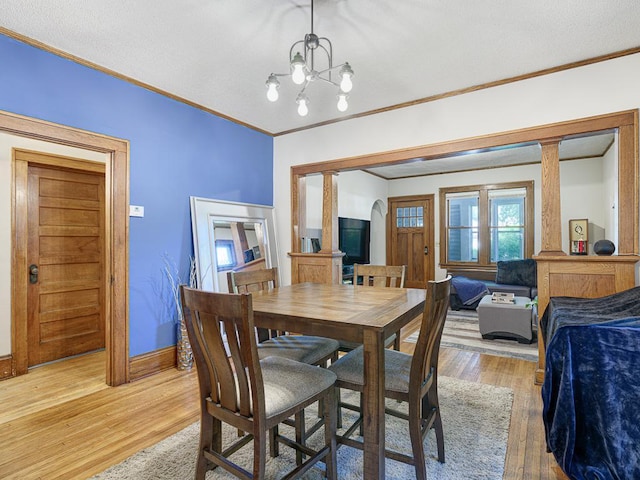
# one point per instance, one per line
(136, 211)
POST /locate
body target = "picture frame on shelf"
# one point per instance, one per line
(578, 236)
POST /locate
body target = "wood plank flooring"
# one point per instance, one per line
(61, 421)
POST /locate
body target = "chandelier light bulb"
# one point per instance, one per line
(272, 88)
(342, 102)
(302, 102)
(298, 65)
(346, 73)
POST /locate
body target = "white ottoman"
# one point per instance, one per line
(503, 320)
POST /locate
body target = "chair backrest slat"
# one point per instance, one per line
(425, 355)
(234, 379)
(380, 275)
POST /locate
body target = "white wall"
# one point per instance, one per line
(358, 193)
(7, 142)
(595, 89)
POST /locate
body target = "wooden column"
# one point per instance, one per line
(326, 265)
(330, 212)
(628, 200)
(551, 233)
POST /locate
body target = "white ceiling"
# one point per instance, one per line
(218, 53)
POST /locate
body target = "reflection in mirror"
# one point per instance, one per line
(231, 236)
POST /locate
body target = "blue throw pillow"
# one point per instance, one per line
(517, 272)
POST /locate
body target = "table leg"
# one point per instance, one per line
(373, 405)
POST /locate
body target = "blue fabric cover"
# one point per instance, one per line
(469, 290)
(517, 272)
(591, 391)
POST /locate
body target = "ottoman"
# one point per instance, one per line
(504, 320)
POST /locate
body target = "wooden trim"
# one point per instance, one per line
(116, 237)
(151, 363)
(474, 88)
(626, 122)
(54, 161)
(483, 227)
(480, 143)
(432, 98)
(120, 76)
(7, 369)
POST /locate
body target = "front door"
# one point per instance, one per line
(65, 254)
(411, 236)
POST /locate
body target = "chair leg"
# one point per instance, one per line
(301, 436)
(274, 446)
(396, 341)
(210, 439)
(331, 408)
(415, 433)
(361, 431)
(434, 404)
(259, 453)
(437, 425)
(338, 409)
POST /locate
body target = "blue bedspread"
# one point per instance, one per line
(591, 391)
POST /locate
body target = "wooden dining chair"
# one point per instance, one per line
(302, 348)
(254, 395)
(377, 276)
(408, 378)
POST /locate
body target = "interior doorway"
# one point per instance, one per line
(116, 171)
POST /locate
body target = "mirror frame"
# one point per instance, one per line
(204, 211)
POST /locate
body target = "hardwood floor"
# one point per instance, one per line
(61, 421)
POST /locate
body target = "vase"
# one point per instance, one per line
(183, 347)
(604, 247)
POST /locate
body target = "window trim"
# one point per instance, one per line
(484, 253)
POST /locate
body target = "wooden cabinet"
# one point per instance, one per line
(586, 276)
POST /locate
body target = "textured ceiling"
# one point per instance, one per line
(218, 53)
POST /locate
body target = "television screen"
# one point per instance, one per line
(353, 238)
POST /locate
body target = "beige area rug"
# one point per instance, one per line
(461, 331)
(476, 426)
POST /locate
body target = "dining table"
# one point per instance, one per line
(355, 313)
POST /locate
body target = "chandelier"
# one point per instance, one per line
(304, 71)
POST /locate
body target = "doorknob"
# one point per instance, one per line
(33, 273)
(426, 250)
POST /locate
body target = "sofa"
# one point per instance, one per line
(511, 276)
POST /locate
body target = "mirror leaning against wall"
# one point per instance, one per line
(231, 236)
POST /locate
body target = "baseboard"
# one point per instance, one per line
(150, 363)
(6, 367)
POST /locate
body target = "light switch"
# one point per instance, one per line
(136, 211)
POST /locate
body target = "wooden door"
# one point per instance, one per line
(65, 254)
(410, 238)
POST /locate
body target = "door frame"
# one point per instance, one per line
(431, 222)
(116, 239)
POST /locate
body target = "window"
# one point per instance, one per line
(409, 217)
(225, 255)
(483, 224)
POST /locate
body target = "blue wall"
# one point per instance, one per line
(176, 151)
